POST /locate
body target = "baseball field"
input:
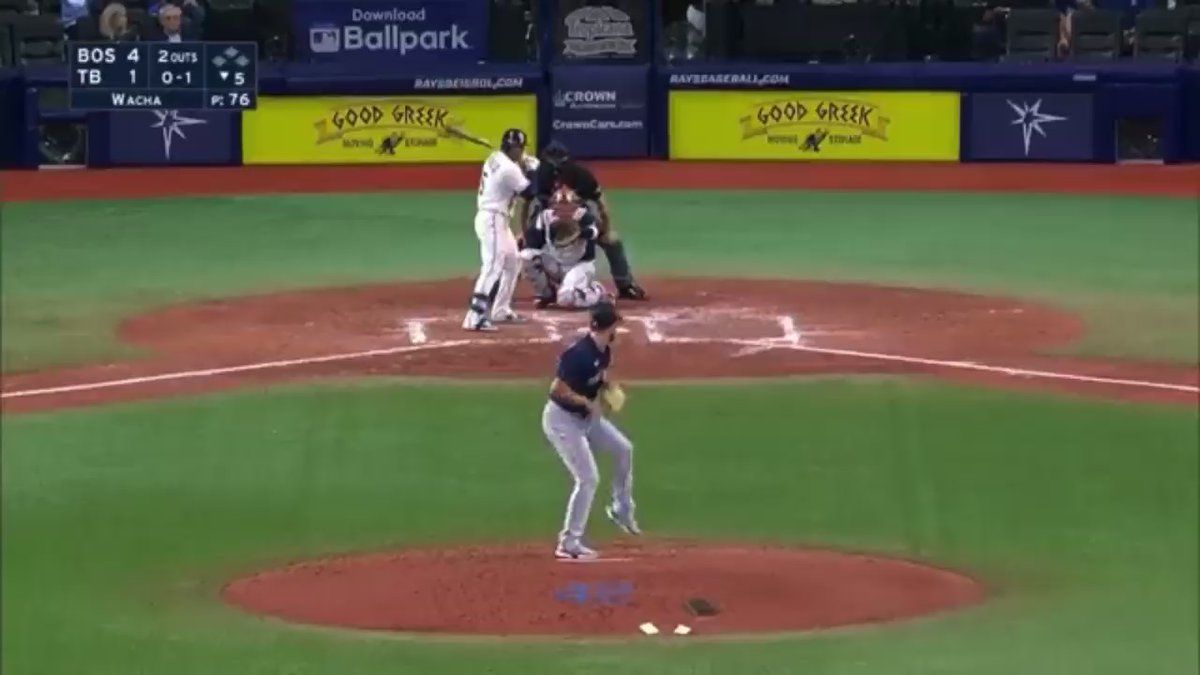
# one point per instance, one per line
(887, 419)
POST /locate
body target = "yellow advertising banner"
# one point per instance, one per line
(392, 130)
(808, 125)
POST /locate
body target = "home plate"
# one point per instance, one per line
(581, 561)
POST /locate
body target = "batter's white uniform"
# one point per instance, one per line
(502, 180)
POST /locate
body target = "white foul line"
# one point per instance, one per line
(791, 340)
(211, 372)
(983, 367)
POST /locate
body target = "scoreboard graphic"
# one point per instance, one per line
(157, 75)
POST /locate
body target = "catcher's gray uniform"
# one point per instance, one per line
(563, 272)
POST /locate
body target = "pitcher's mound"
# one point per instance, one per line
(523, 590)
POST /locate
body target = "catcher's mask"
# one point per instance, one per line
(564, 195)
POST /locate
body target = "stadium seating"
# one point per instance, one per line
(140, 21)
(1160, 34)
(88, 28)
(1096, 35)
(6, 48)
(232, 20)
(37, 40)
(273, 18)
(820, 32)
(1193, 31)
(13, 7)
(1032, 34)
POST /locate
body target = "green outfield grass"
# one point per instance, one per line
(121, 523)
(71, 270)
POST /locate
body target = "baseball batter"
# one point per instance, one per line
(574, 422)
(503, 179)
(559, 254)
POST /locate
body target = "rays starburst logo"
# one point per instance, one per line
(171, 123)
(1031, 118)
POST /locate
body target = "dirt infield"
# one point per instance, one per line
(700, 327)
(1180, 180)
(523, 590)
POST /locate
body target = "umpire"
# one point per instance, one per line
(557, 168)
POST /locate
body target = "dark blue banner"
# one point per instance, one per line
(172, 137)
(390, 31)
(1031, 126)
(600, 111)
(601, 30)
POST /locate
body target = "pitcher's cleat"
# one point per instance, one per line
(574, 551)
(622, 518)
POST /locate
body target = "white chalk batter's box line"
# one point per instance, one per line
(655, 326)
(791, 337)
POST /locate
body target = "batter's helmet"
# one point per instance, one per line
(512, 138)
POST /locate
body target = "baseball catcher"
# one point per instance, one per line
(558, 170)
(559, 253)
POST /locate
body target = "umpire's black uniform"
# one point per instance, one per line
(583, 182)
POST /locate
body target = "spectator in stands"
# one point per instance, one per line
(1066, 9)
(987, 36)
(177, 24)
(72, 12)
(114, 23)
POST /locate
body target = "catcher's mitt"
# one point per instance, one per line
(564, 229)
(612, 397)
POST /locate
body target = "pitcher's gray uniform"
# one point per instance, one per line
(574, 423)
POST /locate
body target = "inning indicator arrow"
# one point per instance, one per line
(224, 74)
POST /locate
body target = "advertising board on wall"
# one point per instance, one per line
(601, 111)
(171, 137)
(1031, 126)
(810, 125)
(395, 130)
(390, 31)
(615, 30)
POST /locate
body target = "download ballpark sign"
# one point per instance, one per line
(389, 32)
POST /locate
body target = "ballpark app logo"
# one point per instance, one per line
(585, 99)
(405, 124)
(839, 122)
(1031, 118)
(325, 39)
(599, 31)
(394, 29)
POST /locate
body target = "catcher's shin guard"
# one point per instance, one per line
(535, 271)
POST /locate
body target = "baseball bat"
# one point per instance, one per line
(459, 133)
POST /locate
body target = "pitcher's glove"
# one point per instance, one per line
(612, 397)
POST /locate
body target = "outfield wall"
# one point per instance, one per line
(327, 114)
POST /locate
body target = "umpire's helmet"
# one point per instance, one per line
(512, 138)
(555, 153)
